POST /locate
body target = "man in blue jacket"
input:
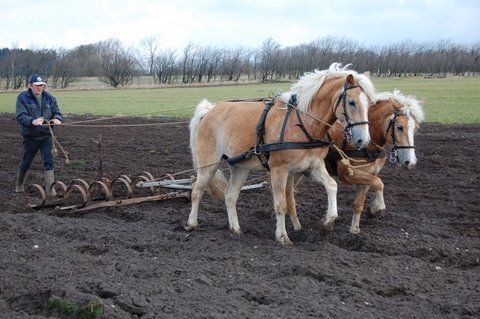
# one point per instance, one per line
(35, 110)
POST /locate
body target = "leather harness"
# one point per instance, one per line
(262, 150)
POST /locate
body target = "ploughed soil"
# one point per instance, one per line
(419, 259)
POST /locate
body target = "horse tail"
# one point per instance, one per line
(218, 184)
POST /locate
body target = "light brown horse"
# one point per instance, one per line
(228, 129)
(393, 119)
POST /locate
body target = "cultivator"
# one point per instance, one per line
(80, 195)
(123, 190)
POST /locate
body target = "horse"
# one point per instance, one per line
(256, 135)
(394, 118)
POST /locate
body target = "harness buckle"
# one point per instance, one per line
(348, 133)
(393, 156)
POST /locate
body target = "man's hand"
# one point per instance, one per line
(38, 121)
(56, 121)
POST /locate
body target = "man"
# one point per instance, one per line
(35, 110)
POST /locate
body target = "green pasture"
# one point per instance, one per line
(446, 100)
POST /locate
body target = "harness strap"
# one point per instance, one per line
(303, 128)
(292, 101)
(362, 153)
(262, 150)
(271, 147)
(391, 126)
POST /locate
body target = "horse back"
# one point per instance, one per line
(230, 126)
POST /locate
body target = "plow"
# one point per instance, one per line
(81, 196)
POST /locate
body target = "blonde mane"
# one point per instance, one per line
(308, 85)
(409, 103)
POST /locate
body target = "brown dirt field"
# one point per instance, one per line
(420, 259)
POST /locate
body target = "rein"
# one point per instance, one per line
(50, 125)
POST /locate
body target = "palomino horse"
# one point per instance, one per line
(285, 142)
(393, 119)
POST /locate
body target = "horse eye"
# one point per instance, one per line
(400, 128)
(352, 103)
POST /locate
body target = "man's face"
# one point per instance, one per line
(37, 89)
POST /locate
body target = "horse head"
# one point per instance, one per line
(351, 109)
(348, 95)
(404, 122)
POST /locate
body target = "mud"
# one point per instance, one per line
(420, 259)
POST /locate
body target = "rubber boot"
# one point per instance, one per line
(20, 184)
(49, 180)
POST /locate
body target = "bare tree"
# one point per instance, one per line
(166, 67)
(268, 58)
(118, 64)
(187, 58)
(151, 45)
(63, 70)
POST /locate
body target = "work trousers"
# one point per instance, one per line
(30, 149)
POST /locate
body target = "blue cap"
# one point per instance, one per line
(36, 79)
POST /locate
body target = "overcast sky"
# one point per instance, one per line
(63, 23)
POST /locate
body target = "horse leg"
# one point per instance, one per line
(365, 180)
(293, 181)
(358, 205)
(238, 176)
(279, 176)
(321, 175)
(204, 175)
(378, 204)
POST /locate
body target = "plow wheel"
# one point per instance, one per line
(75, 195)
(121, 187)
(147, 175)
(140, 190)
(35, 196)
(96, 190)
(59, 187)
(82, 183)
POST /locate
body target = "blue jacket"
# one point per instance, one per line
(27, 109)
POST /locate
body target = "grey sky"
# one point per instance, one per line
(60, 23)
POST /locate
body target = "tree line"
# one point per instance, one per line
(117, 65)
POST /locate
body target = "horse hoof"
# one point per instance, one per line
(355, 231)
(377, 210)
(237, 232)
(374, 213)
(297, 229)
(190, 227)
(285, 241)
(326, 227)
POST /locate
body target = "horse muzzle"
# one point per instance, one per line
(407, 158)
(360, 136)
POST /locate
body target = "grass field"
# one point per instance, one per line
(446, 100)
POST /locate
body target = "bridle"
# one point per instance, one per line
(343, 97)
(391, 127)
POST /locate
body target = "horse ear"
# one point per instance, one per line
(368, 74)
(350, 79)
